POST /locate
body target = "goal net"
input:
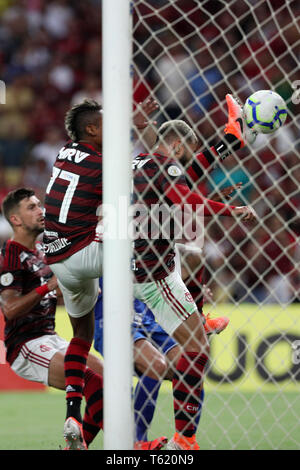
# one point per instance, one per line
(188, 55)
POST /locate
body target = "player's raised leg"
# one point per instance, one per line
(176, 312)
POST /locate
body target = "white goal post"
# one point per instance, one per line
(117, 91)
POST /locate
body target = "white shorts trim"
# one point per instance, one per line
(34, 358)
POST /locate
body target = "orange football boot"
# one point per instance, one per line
(73, 435)
(235, 124)
(179, 442)
(215, 325)
(156, 444)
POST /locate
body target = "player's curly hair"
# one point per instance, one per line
(80, 116)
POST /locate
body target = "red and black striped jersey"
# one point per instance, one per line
(153, 249)
(73, 197)
(23, 270)
(200, 165)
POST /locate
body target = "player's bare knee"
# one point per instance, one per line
(160, 367)
(191, 335)
(155, 369)
(83, 327)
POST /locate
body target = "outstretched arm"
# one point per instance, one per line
(180, 194)
(225, 193)
(144, 127)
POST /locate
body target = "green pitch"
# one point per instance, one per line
(34, 421)
(258, 408)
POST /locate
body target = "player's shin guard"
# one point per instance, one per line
(186, 391)
(75, 366)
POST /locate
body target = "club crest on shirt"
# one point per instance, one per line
(173, 170)
(45, 348)
(6, 279)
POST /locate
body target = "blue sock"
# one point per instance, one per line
(198, 415)
(145, 396)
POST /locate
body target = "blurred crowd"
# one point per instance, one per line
(50, 57)
(188, 55)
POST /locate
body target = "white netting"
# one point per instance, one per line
(189, 55)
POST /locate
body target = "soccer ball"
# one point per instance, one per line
(265, 111)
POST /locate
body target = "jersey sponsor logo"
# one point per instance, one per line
(137, 164)
(48, 233)
(188, 297)
(174, 170)
(56, 245)
(192, 408)
(6, 279)
(72, 155)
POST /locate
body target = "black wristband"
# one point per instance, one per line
(227, 145)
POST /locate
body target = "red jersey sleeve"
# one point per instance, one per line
(181, 194)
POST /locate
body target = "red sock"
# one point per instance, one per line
(75, 366)
(93, 417)
(90, 429)
(186, 390)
